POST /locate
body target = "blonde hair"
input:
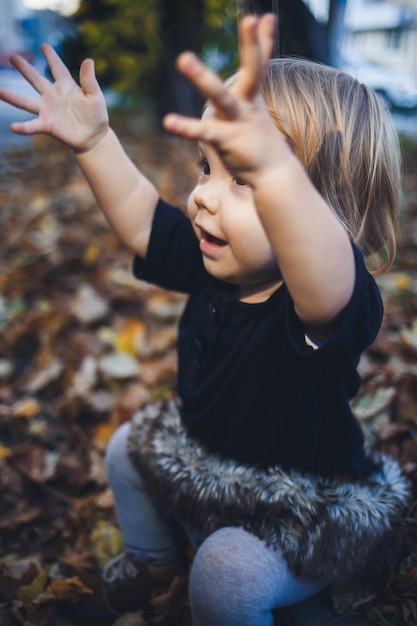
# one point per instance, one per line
(343, 134)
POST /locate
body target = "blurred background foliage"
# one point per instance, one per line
(135, 43)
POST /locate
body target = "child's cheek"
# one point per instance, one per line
(191, 206)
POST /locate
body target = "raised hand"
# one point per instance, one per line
(236, 122)
(74, 114)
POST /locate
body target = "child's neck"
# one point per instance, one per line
(254, 294)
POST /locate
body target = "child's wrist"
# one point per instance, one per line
(93, 143)
(275, 171)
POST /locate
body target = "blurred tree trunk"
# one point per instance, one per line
(337, 11)
(300, 34)
(181, 29)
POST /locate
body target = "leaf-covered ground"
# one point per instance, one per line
(82, 345)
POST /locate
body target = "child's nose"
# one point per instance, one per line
(207, 197)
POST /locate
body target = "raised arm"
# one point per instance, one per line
(77, 116)
(311, 246)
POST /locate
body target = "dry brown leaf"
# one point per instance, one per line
(27, 407)
(17, 517)
(68, 588)
(130, 400)
(159, 371)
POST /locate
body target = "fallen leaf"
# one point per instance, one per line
(39, 379)
(103, 435)
(68, 588)
(88, 305)
(97, 472)
(119, 365)
(130, 400)
(17, 573)
(28, 593)
(4, 451)
(408, 338)
(130, 336)
(106, 541)
(28, 407)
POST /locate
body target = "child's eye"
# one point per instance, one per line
(204, 167)
(239, 181)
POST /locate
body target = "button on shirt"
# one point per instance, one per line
(250, 386)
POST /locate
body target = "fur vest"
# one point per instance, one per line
(332, 529)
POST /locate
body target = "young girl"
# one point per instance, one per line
(260, 461)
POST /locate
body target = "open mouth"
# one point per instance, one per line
(214, 241)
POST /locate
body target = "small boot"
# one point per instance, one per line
(130, 585)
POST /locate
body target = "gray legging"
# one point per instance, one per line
(235, 578)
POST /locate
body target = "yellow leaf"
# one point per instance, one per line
(130, 338)
(106, 542)
(402, 281)
(4, 452)
(27, 593)
(92, 253)
(103, 433)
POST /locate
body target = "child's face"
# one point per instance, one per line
(233, 243)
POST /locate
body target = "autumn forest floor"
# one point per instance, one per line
(82, 345)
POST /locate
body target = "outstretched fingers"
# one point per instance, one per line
(266, 35)
(257, 42)
(208, 83)
(58, 69)
(188, 127)
(30, 127)
(39, 83)
(88, 80)
(26, 103)
(257, 39)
